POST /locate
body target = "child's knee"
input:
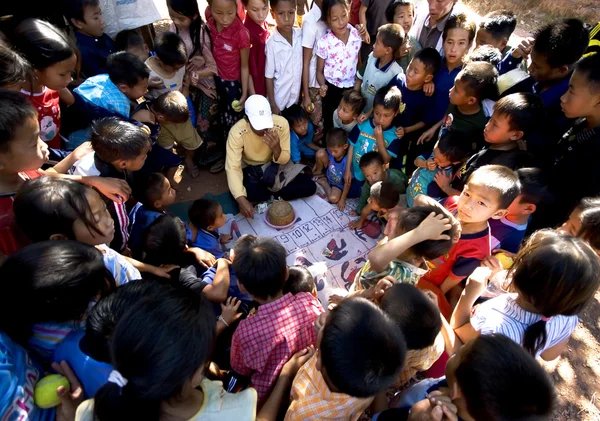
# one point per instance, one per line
(322, 154)
(333, 198)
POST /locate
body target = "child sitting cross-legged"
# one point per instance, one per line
(205, 218)
(302, 133)
(346, 115)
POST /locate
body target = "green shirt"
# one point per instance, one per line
(393, 176)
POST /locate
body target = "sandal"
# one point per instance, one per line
(217, 167)
(192, 171)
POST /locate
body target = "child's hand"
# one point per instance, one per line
(290, 368)
(229, 310)
(307, 105)
(362, 31)
(155, 83)
(348, 177)
(113, 188)
(223, 261)
(524, 48)
(381, 287)
(442, 179)
(429, 88)
(400, 132)
(433, 226)
(431, 165)
(356, 224)
(203, 257)
(225, 238)
(477, 282)
(162, 270)
(434, 408)
(493, 264)
(405, 48)
(335, 299)
(320, 322)
(362, 118)
(69, 399)
(82, 150)
(378, 132)
(426, 137)
(323, 90)
(341, 205)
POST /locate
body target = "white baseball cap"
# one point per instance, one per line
(258, 110)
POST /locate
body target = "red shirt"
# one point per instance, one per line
(47, 104)
(258, 58)
(227, 45)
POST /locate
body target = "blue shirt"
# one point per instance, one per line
(101, 91)
(416, 103)
(422, 182)
(362, 138)
(296, 142)
(94, 52)
(142, 219)
(506, 235)
(208, 241)
(336, 170)
(444, 81)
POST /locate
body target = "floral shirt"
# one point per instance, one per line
(340, 59)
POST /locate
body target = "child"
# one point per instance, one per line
(206, 217)
(93, 44)
(337, 53)
(495, 29)
(554, 277)
(14, 69)
(52, 58)
(583, 222)
(488, 193)
(485, 53)
(130, 41)
(346, 115)
(334, 159)
(283, 71)
(441, 165)
(402, 12)
(371, 16)
(302, 133)
(167, 67)
(374, 170)
(282, 325)
(361, 353)
(481, 384)
(256, 24)
(300, 280)
(380, 67)
(120, 148)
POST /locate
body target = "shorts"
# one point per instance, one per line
(184, 134)
(160, 160)
(355, 188)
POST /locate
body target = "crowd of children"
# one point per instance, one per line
(462, 145)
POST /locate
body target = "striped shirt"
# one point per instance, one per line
(503, 315)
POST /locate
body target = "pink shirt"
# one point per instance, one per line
(226, 47)
(47, 104)
(340, 59)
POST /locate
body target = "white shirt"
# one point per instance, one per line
(313, 28)
(340, 59)
(171, 82)
(374, 78)
(284, 66)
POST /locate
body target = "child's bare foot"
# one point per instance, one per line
(191, 168)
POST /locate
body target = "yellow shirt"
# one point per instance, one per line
(246, 148)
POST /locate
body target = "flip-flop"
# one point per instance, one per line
(217, 167)
(193, 171)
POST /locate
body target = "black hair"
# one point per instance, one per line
(125, 68)
(502, 180)
(392, 36)
(370, 158)
(170, 49)
(485, 53)
(411, 218)
(390, 10)
(46, 206)
(534, 186)
(505, 385)
(454, 146)
(54, 280)
(260, 266)
(293, 114)
(359, 331)
(203, 212)
(589, 66)
(327, 5)
(245, 2)
(414, 313)
(525, 111)
(114, 139)
(562, 42)
(590, 221)
(299, 280)
(336, 137)
(14, 69)
(389, 97)
(129, 38)
(500, 24)
(189, 8)
(15, 109)
(148, 187)
(163, 241)
(460, 21)
(41, 43)
(480, 79)
(158, 346)
(103, 317)
(386, 194)
(557, 275)
(173, 106)
(431, 59)
(75, 9)
(355, 100)
(274, 3)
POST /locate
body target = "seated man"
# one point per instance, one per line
(258, 159)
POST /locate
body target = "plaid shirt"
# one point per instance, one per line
(264, 342)
(312, 399)
(421, 360)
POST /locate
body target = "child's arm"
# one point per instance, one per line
(66, 96)
(229, 314)
(414, 127)
(270, 65)
(358, 223)
(115, 189)
(217, 291)
(378, 132)
(65, 165)
(321, 76)
(271, 95)
(364, 116)
(244, 53)
(341, 205)
(162, 271)
(428, 135)
(362, 18)
(420, 162)
(251, 90)
(306, 56)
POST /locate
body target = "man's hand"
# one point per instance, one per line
(400, 132)
(246, 207)
(113, 188)
(524, 48)
(69, 399)
(271, 138)
(431, 165)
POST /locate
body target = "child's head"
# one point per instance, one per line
(384, 196)
(475, 82)
(534, 192)
(458, 36)
(423, 67)
(335, 13)
(582, 99)
(260, 266)
(296, 117)
(556, 275)
(48, 50)
(171, 107)
(14, 69)
(401, 12)
(361, 351)
(584, 222)
(390, 38)
(85, 16)
(207, 214)
(299, 280)
(337, 143)
(257, 10)
(495, 29)
(21, 148)
(284, 13)
(128, 73)
(183, 13)
(154, 191)
(163, 242)
(485, 53)
(497, 380)
(120, 143)
(170, 50)
(351, 105)
(161, 345)
(488, 193)
(224, 12)
(131, 41)
(414, 313)
(373, 167)
(558, 45)
(57, 209)
(515, 117)
(386, 106)
(56, 280)
(451, 149)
